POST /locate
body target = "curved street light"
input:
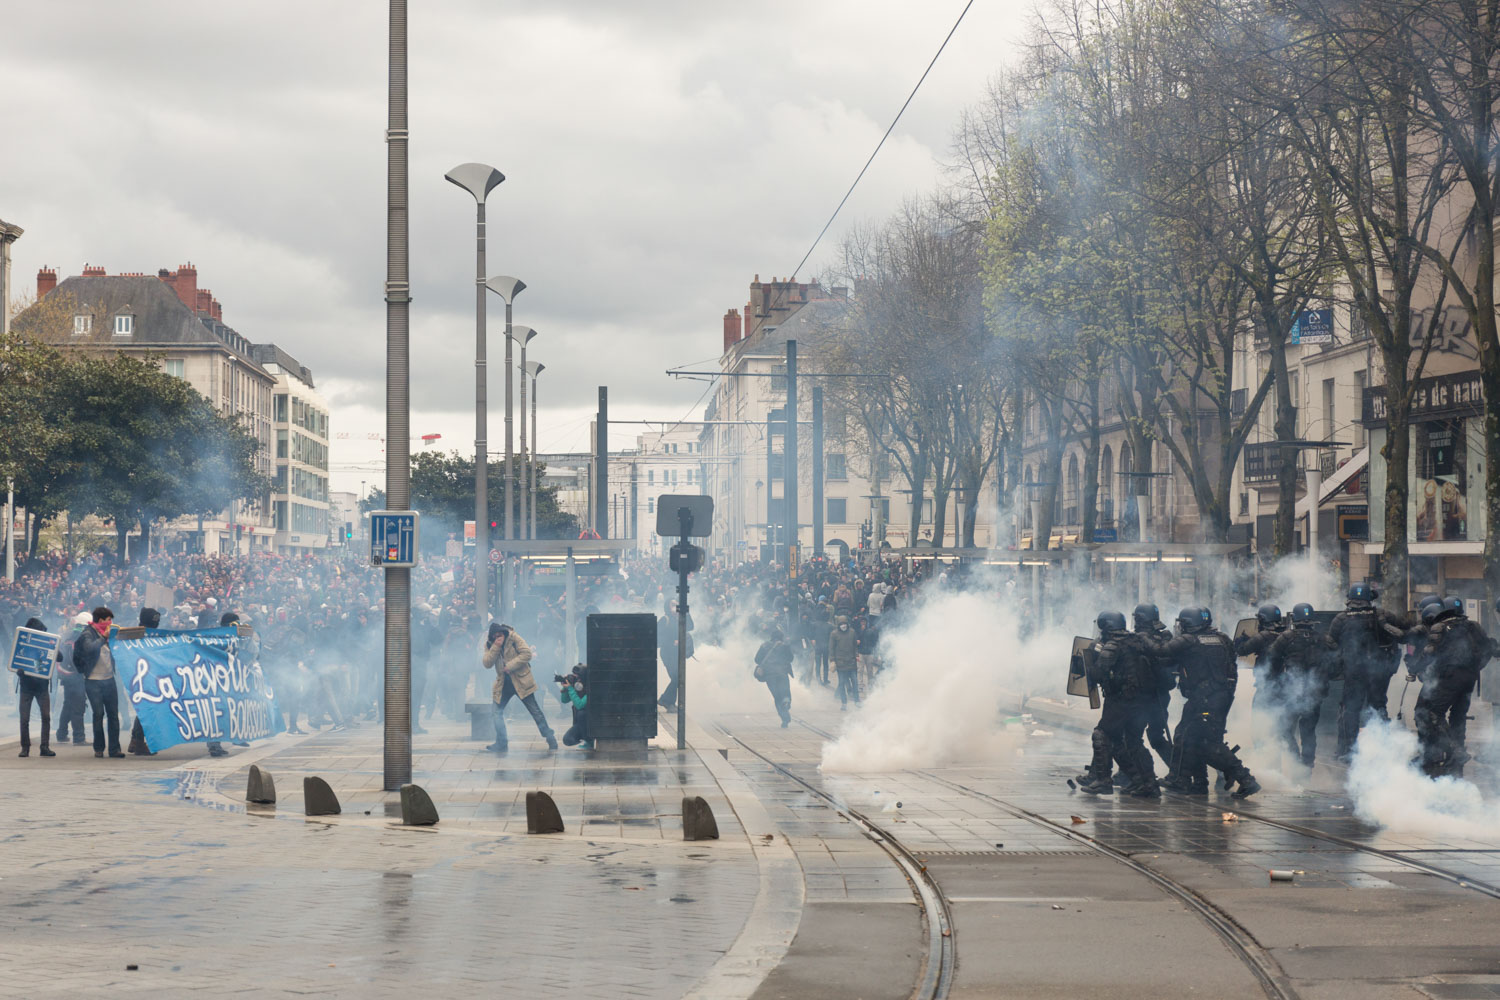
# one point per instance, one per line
(479, 180)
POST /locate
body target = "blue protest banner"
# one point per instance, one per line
(193, 687)
(33, 653)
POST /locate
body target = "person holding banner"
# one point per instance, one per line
(39, 690)
(92, 659)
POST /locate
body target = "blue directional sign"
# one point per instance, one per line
(1315, 326)
(33, 653)
(393, 538)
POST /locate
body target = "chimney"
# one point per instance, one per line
(731, 329)
(46, 280)
(93, 271)
(184, 283)
(203, 302)
(216, 311)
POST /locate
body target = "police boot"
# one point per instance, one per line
(1248, 785)
(1096, 786)
(1144, 789)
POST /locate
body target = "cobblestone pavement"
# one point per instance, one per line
(146, 863)
(157, 863)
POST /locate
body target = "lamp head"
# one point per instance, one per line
(479, 179)
(505, 286)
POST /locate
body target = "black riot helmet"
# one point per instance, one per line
(1428, 599)
(1453, 607)
(1110, 622)
(1268, 614)
(1362, 593)
(1431, 611)
(1145, 615)
(1302, 615)
(1194, 619)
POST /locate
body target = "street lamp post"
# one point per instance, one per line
(522, 335)
(534, 369)
(507, 288)
(479, 180)
(397, 727)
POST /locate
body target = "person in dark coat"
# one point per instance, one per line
(843, 650)
(773, 665)
(1368, 640)
(75, 700)
(1457, 650)
(38, 690)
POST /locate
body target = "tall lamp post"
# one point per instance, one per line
(479, 180)
(397, 734)
(522, 335)
(534, 369)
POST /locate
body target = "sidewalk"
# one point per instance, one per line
(157, 863)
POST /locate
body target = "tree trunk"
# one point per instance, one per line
(918, 484)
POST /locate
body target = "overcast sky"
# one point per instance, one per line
(658, 155)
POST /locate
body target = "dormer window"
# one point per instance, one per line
(82, 324)
(124, 325)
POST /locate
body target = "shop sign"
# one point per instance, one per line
(1458, 394)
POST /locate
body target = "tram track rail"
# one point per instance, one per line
(1268, 973)
(941, 957)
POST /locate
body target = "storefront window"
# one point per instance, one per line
(1440, 495)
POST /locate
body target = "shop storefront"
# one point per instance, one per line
(1446, 513)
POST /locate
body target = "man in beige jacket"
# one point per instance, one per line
(509, 656)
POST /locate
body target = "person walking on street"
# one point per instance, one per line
(1457, 650)
(1368, 640)
(506, 653)
(773, 665)
(92, 658)
(666, 644)
(39, 690)
(75, 700)
(843, 650)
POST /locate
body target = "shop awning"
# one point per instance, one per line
(1337, 481)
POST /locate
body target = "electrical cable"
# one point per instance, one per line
(883, 138)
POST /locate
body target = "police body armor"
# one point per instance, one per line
(1207, 663)
(1126, 666)
(1457, 646)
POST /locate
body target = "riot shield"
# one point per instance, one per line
(1247, 628)
(1080, 664)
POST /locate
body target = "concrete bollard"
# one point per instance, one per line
(416, 807)
(541, 814)
(698, 819)
(261, 788)
(318, 798)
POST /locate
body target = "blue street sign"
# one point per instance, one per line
(393, 538)
(1106, 535)
(1315, 326)
(33, 653)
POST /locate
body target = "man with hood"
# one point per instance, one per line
(773, 666)
(843, 649)
(506, 653)
(39, 690)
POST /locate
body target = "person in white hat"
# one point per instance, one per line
(70, 717)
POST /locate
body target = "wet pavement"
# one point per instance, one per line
(158, 863)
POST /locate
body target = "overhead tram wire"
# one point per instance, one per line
(883, 138)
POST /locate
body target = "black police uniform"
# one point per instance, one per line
(1367, 639)
(1205, 662)
(1125, 670)
(1301, 665)
(1457, 650)
(1157, 731)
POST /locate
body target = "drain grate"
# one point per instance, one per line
(1006, 854)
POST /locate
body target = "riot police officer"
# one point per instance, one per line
(1367, 638)
(1457, 649)
(1270, 625)
(1301, 664)
(1205, 662)
(1147, 620)
(1125, 671)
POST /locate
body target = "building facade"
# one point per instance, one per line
(743, 443)
(299, 493)
(168, 318)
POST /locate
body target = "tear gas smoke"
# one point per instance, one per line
(1391, 792)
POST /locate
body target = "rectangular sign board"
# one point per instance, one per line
(33, 653)
(1315, 326)
(700, 516)
(393, 538)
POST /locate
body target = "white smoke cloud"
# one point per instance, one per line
(1391, 792)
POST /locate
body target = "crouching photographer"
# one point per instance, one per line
(575, 693)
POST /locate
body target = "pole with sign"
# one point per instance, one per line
(684, 517)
